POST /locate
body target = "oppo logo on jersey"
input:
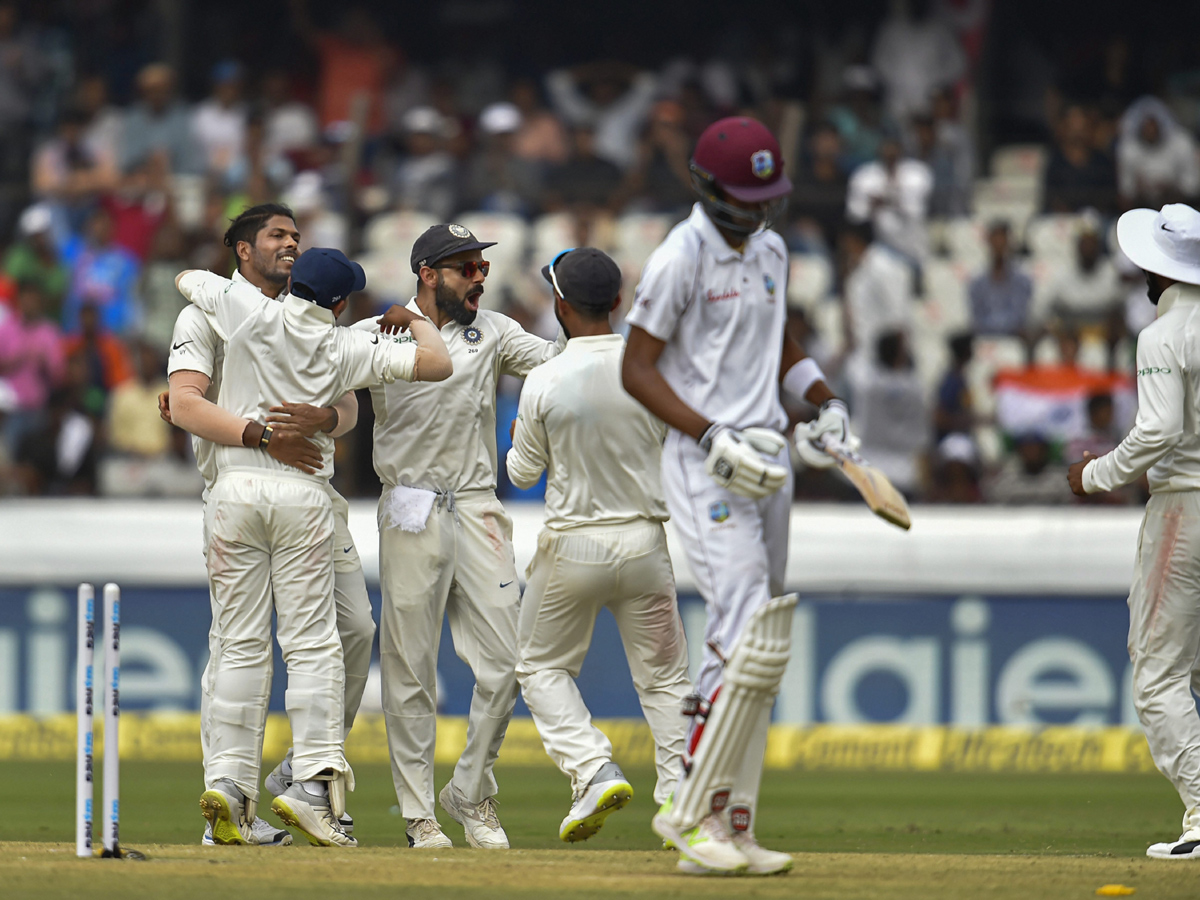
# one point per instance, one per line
(730, 294)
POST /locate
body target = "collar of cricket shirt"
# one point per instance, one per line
(592, 342)
(1176, 292)
(307, 312)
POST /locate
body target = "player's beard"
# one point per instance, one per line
(271, 268)
(452, 304)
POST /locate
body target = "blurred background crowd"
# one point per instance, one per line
(958, 166)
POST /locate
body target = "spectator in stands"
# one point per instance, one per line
(34, 259)
(611, 99)
(1077, 174)
(354, 62)
(497, 180)
(161, 300)
(103, 130)
(134, 426)
(1000, 296)
(819, 195)
(408, 87)
(219, 122)
(916, 53)
(59, 458)
(943, 146)
(158, 124)
(541, 139)
(21, 68)
(1089, 291)
(97, 362)
(890, 414)
(425, 180)
(858, 118)
(69, 173)
(32, 362)
(659, 181)
(1029, 476)
(289, 126)
(584, 180)
(1156, 159)
(877, 293)
(955, 475)
(893, 194)
(103, 279)
(319, 225)
(955, 410)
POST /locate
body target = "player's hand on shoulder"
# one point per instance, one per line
(833, 420)
(397, 319)
(736, 460)
(292, 448)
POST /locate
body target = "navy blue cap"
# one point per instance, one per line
(324, 276)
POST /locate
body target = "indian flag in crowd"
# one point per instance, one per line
(1051, 401)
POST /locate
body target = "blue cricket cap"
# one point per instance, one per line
(325, 276)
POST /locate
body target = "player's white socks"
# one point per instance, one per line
(749, 684)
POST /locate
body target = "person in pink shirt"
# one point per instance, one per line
(32, 361)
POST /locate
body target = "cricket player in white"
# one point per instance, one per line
(1164, 601)
(445, 542)
(603, 545)
(707, 354)
(271, 535)
(265, 242)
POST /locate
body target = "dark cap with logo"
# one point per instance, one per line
(440, 241)
(324, 276)
(587, 278)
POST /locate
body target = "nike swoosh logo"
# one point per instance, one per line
(1164, 227)
(180, 344)
(375, 340)
(505, 584)
(348, 549)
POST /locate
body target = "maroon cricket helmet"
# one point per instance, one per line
(741, 156)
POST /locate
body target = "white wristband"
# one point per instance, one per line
(802, 376)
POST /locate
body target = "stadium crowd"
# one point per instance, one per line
(976, 312)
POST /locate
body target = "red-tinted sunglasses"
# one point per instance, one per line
(469, 268)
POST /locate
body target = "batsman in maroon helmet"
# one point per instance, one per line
(708, 354)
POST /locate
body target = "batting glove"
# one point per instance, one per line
(736, 462)
(833, 420)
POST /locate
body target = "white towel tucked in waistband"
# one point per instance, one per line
(408, 508)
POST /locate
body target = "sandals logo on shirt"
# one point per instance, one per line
(472, 335)
(719, 511)
(769, 284)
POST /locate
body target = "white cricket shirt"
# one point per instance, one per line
(722, 314)
(441, 436)
(288, 351)
(1165, 440)
(601, 448)
(196, 347)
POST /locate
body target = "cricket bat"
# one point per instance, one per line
(880, 494)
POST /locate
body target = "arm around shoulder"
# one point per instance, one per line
(433, 359)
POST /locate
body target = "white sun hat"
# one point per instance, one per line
(1166, 242)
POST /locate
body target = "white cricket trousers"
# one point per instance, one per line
(461, 565)
(352, 605)
(737, 551)
(1164, 637)
(573, 575)
(271, 549)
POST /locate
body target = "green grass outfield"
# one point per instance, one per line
(860, 834)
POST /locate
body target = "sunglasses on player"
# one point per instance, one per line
(469, 268)
(553, 277)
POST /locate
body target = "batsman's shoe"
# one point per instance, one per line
(1188, 845)
(305, 805)
(762, 860)
(426, 834)
(262, 833)
(607, 792)
(224, 806)
(479, 820)
(708, 848)
(280, 779)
